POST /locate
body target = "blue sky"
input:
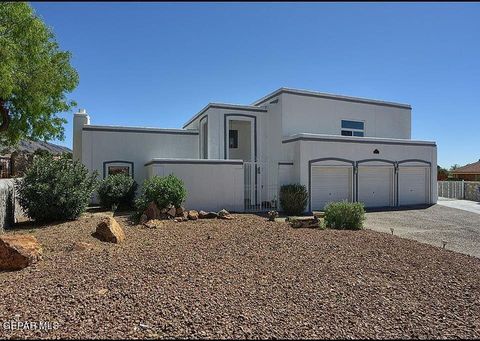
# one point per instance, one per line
(157, 64)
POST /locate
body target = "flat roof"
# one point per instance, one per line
(354, 139)
(330, 96)
(225, 106)
(124, 129)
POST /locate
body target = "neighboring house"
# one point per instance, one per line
(470, 172)
(237, 156)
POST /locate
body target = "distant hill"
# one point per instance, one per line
(31, 146)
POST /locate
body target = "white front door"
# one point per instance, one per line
(375, 185)
(330, 184)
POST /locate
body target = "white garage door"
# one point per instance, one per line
(330, 184)
(412, 185)
(375, 186)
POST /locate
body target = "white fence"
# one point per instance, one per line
(451, 189)
(261, 186)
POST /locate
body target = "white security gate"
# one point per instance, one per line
(261, 186)
(330, 183)
(451, 189)
(375, 185)
(413, 185)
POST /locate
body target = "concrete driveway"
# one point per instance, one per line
(432, 225)
(466, 205)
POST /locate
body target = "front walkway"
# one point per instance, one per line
(466, 205)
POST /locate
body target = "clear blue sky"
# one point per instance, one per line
(157, 64)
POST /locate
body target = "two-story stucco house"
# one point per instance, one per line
(237, 156)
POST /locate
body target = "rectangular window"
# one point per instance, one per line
(233, 139)
(353, 128)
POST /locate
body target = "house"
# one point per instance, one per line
(470, 172)
(237, 156)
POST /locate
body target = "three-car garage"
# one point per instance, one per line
(374, 182)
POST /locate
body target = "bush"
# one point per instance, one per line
(344, 215)
(117, 190)
(293, 199)
(55, 189)
(164, 191)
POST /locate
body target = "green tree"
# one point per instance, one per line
(455, 166)
(35, 76)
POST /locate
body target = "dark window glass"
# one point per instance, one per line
(233, 139)
(358, 133)
(346, 133)
(352, 124)
(118, 170)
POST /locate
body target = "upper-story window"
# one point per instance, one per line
(353, 128)
(233, 139)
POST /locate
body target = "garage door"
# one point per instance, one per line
(330, 184)
(412, 185)
(375, 186)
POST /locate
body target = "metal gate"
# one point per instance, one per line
(451, 189)
(261, 186)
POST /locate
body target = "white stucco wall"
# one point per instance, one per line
(307, 114)
(99, 146)
(211, 185)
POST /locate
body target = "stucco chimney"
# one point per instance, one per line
(80, 119)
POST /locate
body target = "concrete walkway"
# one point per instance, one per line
(466, 205)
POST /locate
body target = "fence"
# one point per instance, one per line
(451, 189)
(261, 186)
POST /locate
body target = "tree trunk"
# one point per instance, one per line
(5, 117)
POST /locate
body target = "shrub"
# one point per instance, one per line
(55, 189)
(117, 190)
(293, 199)
(344, 215)
(164, 191)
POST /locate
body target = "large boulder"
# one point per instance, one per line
(152, 211)
(192, 215)
(153, 224)
(108, 230)
(207, 215)
(172, 212)
(18, 251)
(179, 211)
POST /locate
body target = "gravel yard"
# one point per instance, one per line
(245, 278)
(432, 225)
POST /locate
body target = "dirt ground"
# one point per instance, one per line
(245, 278)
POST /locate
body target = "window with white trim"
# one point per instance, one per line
(353, 128)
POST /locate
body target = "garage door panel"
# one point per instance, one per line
(330, 184)
(375, 186)
(413, 185)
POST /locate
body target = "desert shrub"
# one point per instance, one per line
(293, 199)
(55, 189)
(344, 215)
(117, 190)
(164, 191)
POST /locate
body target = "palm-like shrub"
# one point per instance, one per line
(55, 189)
(293, 199)
(117, 190)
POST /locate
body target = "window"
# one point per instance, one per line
(233, 139)
(117, 167)
(353, 128)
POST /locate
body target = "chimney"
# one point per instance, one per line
(80, 119)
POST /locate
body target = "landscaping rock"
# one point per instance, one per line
(143, 219)
(179, 211)
(224, 214)
(152, 211)
(153, 224)
(305, 222)
(193, 215)
(82, 246)
(108, 230)
(209, 215)
(172, 212)
(18, 251)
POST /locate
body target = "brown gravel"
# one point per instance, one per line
(245, 278)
